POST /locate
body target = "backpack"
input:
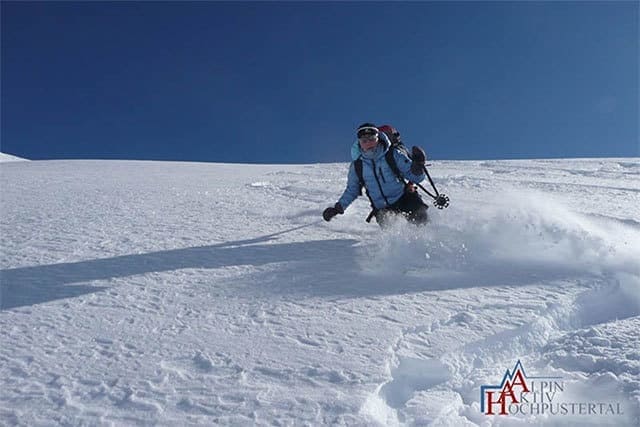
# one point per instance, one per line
(393, 135)
(396, 143)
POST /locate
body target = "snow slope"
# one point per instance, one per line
(9, 158)
(150, 293)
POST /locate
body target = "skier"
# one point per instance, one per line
(382, 170)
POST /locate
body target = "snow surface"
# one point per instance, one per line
(151, 293)
(9, 158)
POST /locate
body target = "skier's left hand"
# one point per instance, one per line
(418, 158)
(418, 155)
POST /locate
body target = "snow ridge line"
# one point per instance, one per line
(600, 303)
(464, 370)
(407, 377)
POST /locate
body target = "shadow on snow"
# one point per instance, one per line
(38, 284)
(322, 268)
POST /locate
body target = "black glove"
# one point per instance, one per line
(329, 213)
(419, 157)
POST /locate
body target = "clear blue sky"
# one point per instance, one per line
(288, 82)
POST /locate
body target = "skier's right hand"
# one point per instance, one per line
(332, 211)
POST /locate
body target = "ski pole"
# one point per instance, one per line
(430, 180)
(427, 191)
(440, 200)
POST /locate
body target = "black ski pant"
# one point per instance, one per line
(409, 205)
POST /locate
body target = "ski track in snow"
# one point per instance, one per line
(150, 293)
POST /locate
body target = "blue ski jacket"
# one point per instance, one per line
(384, 187)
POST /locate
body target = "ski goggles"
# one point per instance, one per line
(368, 139)
(370, 132)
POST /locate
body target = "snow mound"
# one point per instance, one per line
(9, 158)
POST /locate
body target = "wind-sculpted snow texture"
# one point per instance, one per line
(149, 293)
